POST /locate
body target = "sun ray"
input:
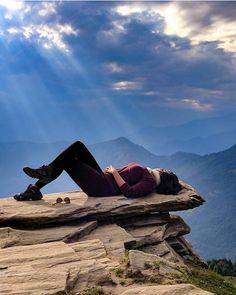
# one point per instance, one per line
(11, 4)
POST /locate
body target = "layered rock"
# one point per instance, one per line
(53, 268)
(45, 211)
(49, 248)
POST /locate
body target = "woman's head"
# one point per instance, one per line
(167, 181)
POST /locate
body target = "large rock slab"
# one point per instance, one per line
(38, 213)
(53, 268)
(139, 261)
(113, 237)
(163, 249)
(180, 289)
(152, 234)
(68, 233)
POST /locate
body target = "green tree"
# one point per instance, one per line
(222, 266)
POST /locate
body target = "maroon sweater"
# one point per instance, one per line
(138, 181)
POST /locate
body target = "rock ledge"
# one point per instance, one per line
(48, 248)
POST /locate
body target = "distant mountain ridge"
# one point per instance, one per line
(200, 145)
(121, 151)
(200, 136)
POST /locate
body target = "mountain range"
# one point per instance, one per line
(199, 145)
(202, 136)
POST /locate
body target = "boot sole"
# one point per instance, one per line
(34, 174)
(18, 198)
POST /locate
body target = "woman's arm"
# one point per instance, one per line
(119, 180)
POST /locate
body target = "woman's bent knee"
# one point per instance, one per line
(78, 143)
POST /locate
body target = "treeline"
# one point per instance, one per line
(224, 266)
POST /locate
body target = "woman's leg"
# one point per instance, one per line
(79, 163)
(76, 151)
(92, 182)
(70, 159)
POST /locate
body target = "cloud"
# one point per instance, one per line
(204, 22)
(47, 9)
(48, 36)
(151, 93)
(28, 24)
(117, 29)
(114, 67)
(195, 104)
(12, 8)
(220, 31)
(11, 4)
(184, 103)
(189, 103)
(126, 85)
(156, 47)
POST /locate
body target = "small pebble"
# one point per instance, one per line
(67, 200)
(59, 200)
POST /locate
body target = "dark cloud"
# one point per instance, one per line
(209, 10)
(168, 65)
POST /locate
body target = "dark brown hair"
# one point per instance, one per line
(169, 183)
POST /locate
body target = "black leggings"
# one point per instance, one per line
(82, 167)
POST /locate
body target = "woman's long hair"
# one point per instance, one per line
(169, 183)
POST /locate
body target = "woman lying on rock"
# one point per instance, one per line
(132, 180)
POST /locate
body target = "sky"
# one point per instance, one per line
(95, 70)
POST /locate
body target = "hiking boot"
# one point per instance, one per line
(31, 193)
(43, 173)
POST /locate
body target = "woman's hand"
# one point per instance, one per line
(119, 180)
(110, 169)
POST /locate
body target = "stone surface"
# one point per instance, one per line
(163, 249)
(180, 289)
(36, 213)
(176, 227)
(185, 250)
(146, 220)
(113, 238)
(51, 268)
(139, 261)
(160, 249)
(69, 233)
(92, 249)
(148, 235)
(80, 231)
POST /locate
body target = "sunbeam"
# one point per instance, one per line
(11, 4)
(55, 71)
